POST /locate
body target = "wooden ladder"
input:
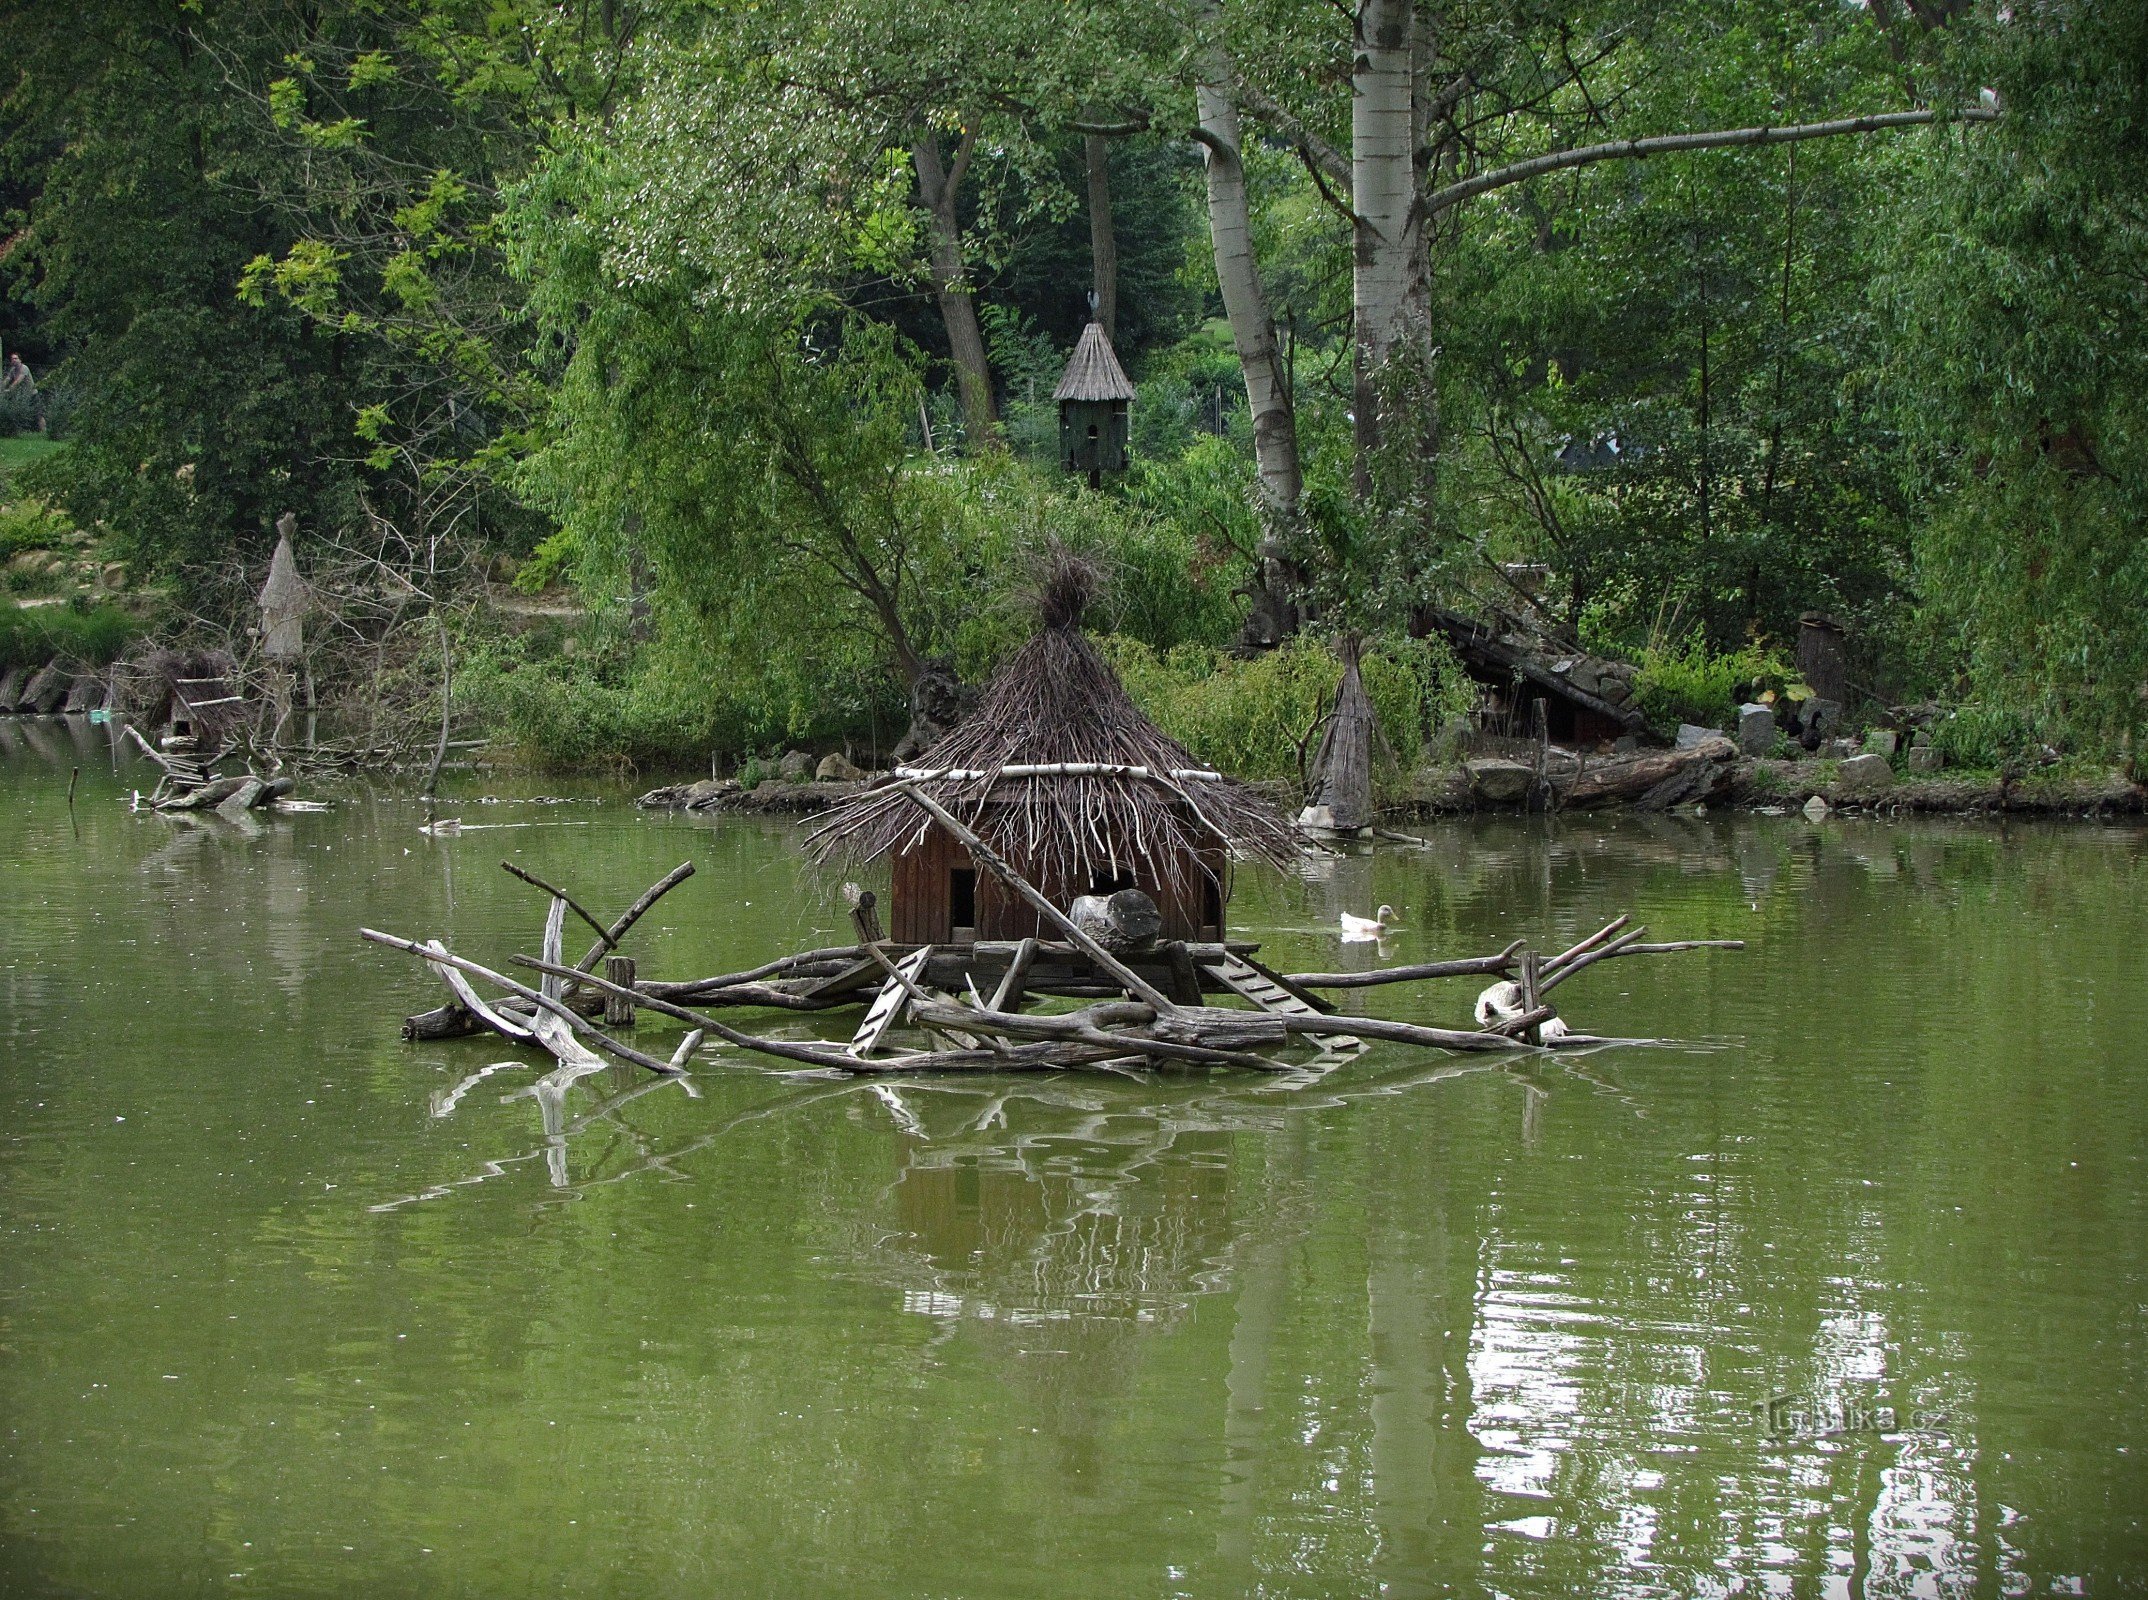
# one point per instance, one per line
(889, 1004)
(1249, 983)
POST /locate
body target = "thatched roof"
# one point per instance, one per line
(1094, 373)
(284, 599)
(198, 685)
(1117, 792)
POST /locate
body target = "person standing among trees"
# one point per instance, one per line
(21, 389)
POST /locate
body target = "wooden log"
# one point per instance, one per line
(1615, 782)
(1185, 976)
(619, 1003)
(1008, 996)
(1590, 943)
(1532, 1032)
(1589, 958)
(864, 913)
(1500, 963)
(1043, 1056)
(1087, 1027)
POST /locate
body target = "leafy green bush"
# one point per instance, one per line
(30, 524)
(1246, 717)
(1987, 736)
(90, 635)
(1691, 683)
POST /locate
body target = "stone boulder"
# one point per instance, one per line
(1882, 742)
(1864, 772)
(1925, 759)
(1756, 729)
(795, 767)
(1500, 781)
(837, 768)
(1691, 736)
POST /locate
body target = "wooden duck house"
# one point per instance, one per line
(1093, 395)
(1059, 772)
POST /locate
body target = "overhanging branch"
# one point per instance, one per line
(1635, 149)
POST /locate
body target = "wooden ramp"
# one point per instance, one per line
(1251, 984)
(889, 1004)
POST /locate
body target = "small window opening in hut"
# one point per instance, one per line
(1111, 882)
(962, 900)
(1211, 908)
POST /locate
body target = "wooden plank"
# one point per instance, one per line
(1259, 988)
(889, 1003)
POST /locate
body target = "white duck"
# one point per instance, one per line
(1502, 1002)
(1357, 930)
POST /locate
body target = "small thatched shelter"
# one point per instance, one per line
(1060, 773)
(186, 696)
(284, 599)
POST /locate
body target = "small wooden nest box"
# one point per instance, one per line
(1059, 772)
(1093, 395)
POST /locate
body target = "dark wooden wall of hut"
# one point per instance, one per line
(923, 887)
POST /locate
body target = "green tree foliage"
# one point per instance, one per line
(2017, 287)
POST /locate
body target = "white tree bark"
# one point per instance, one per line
(1388, 277)
(1245, 302)
(1274, 613)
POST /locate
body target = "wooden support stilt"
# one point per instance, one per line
(618, 1008)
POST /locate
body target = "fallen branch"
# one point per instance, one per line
(435, 953)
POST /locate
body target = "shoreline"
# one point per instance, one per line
(1762, 787)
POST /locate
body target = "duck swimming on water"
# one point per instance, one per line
(1357, 929)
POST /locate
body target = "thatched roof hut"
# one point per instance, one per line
(284, 599)
(1060, 772)
(185, 695)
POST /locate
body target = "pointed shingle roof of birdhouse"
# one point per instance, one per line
(1094, 373)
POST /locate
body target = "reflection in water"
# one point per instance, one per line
(350, 1316)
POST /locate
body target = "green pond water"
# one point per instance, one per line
(288, 1307)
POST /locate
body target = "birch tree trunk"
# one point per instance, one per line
(1103, 241)
(1390, 297)
(1274, 616)
(937, 189)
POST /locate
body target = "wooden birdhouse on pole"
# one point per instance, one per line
(1093, 395)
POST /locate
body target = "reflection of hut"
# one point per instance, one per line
(1060, 773)
(1093, 394)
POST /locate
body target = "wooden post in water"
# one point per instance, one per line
(1534, 1033)
(619, 1008)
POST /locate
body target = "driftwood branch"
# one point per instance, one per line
(633, 914)
(573, 905)
(436, 953)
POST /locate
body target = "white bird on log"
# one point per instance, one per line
(1500, 1003)
(1357, 930)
